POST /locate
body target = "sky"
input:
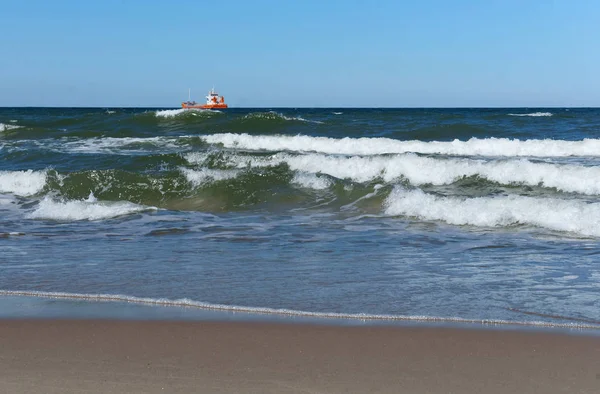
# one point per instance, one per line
(310, 53)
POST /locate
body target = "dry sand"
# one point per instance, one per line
(62, 356)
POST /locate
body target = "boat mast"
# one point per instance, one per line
(189, 94)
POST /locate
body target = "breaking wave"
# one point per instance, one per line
(377, 146)
(206, 175)
(22, 183)
(419, 170)
(311, 181)
(6, 127)
(573, 216)
(533, 114)
(271, 115)
(171, 113)
(487, 147)
(89, 209)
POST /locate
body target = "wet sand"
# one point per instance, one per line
(99, 356)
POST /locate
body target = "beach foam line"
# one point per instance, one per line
(377, 146)
(185, 302)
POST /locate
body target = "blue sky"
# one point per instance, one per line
(432, 53)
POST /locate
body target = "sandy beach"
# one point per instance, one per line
(98, 356)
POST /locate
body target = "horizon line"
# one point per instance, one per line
(319, 107)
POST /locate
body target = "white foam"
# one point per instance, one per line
(186, 302)
(533, 114)
(6, 127)
(420, 170)
(170, 113)
(196, 157)
(22, 183)
(90, 209)
(115, 145)
(311, 181)
(561, 215)
(377, 146)
(205, 175)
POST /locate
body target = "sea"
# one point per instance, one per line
(483, 217)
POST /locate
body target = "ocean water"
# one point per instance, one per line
(427, 215)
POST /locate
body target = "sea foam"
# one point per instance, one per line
(114, 145)
(376, 146)
(22, 183)
(186, 302)
(205, 175)
(533, 114)
(89, 209)
(171, 113)
(311, 181)
(554, 214)
(419, 170)
(6, 127)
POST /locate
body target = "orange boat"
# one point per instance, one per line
(213, 101)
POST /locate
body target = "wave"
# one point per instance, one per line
(89, 209)
(115, 145)
(116, 185)
(573, 216)
(204, 176)
(487, 147)
(271, 115)
(6, 127)
(171, 113)
(420, 170)
(182, 188)
(22, 183)
(377, 146)
(128, 146)
(311, 181)
(533, 114)
(186, 302)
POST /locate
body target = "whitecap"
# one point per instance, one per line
(22, 183)
(554, 214)
(89, 209)
(377, 146)
(533, 114)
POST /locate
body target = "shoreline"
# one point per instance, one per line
(100, 356)
(17, 305)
